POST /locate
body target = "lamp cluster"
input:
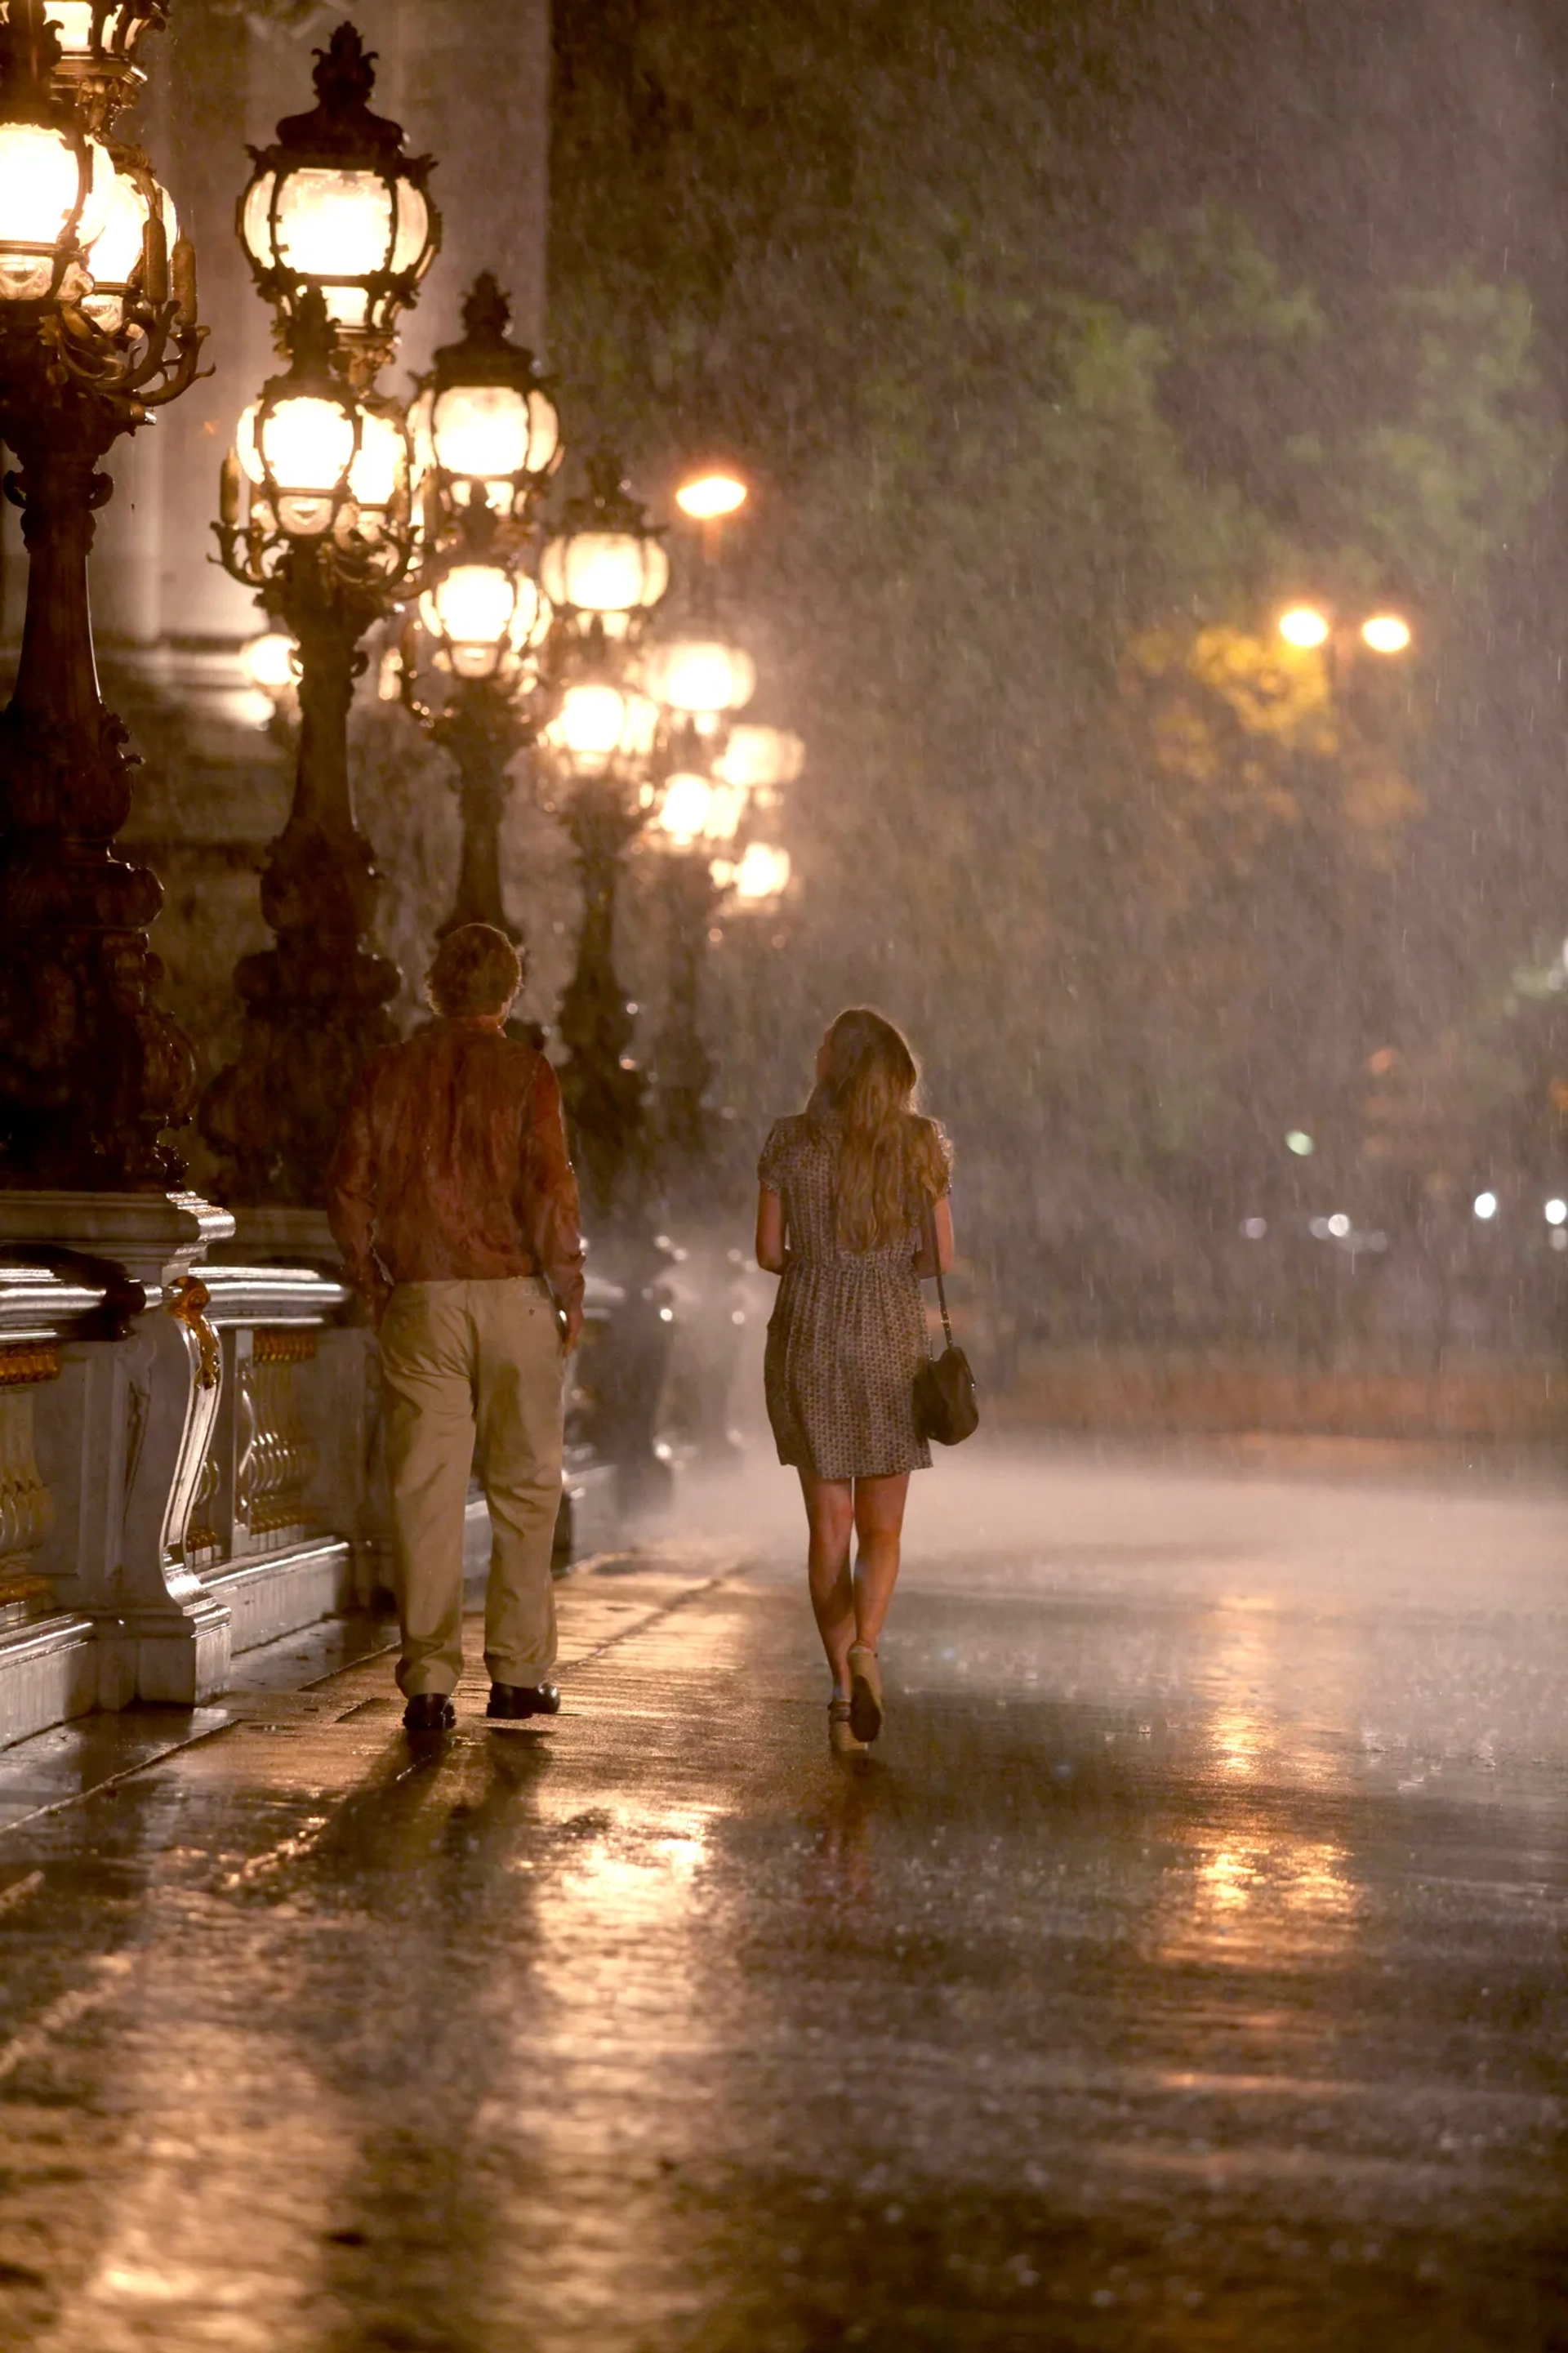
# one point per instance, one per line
(517, 630)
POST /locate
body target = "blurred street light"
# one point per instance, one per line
(701, 678)
(1309, 626)
(762, 759)
(1304, 625)
(761, 877)
(1486, 1207)
(271, 661)
(709, 497)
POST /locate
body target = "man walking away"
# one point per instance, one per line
(454, 1207)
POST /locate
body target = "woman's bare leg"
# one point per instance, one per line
(830, 1516)
(878, 1523)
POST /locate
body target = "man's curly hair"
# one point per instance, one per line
(476, 969)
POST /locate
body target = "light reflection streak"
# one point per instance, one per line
(1251, 1892)
(1265, 1899)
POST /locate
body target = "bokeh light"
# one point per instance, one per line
(1304, 625)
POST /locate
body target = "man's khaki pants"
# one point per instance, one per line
(473, 1373)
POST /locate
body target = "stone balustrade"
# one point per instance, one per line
(189, 1453)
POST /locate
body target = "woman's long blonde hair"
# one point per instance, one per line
(891, 1164)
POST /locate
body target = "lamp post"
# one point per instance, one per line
(91, 1071)
(604, 572)
(595, 775)
(700, 817)
(697, 822)
(338, 228)
(486, 438)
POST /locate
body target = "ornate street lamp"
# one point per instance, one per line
(606, 568)
(485, 428)
(700, 816)
(597, 773)
(325, 541)
(339, 227)
(598, 768)
(483, 622)
(486, 438)
(91, 1070)
(695, 829)
(336, 207)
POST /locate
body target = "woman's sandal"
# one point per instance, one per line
(865, 1707)
(841, 1737)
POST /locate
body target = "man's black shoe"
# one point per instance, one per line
(430, 1712)
(514, 1702)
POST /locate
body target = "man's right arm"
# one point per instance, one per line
(351, 1202)
(556, 1236)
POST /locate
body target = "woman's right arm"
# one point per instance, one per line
(942, 1223)
(771, 1251)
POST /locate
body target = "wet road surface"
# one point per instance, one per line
(1185, 1969)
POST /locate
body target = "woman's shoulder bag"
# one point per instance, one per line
(946, 1408)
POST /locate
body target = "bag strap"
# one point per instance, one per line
(936, 1261)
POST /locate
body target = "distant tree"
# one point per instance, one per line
(1028, 492)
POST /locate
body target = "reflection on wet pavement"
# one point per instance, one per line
(1184, 1970)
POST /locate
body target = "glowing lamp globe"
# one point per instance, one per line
(484, 425)
(379, 474)
(762, 875)
(695, 808)
(131, 249)
(609, 575)
(1386, 633)
(702, 677)
(1304, 627)
(684, 811)
(271, 661)
(760, 759)
(55, 183)
(481, 614)
(299, 453)
(336, 204)
(599, 725)
(299, 442)
(605, 567)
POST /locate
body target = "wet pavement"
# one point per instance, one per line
(1185, 1969)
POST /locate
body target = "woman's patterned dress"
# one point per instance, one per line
(848, 1333)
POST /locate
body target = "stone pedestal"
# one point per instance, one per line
(122, 1446)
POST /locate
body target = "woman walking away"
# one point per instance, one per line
(854, 1199)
